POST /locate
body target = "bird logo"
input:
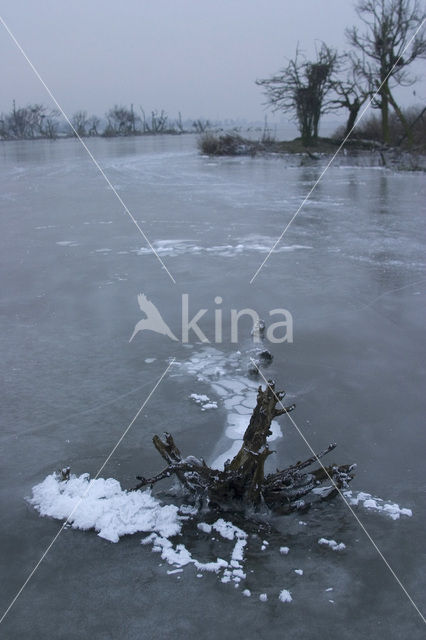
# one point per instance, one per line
(153, 320)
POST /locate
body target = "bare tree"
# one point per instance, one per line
(32, 121)
(121, 121)
(49, 128)
(352, 89)
(302, 88)
(145, 126)
(200, 126)
(80, 122)
(93, 124)
(387, 51)
(158, 121)
(179, 123)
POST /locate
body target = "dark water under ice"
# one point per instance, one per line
(351, 270)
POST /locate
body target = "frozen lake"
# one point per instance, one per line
(350, 269)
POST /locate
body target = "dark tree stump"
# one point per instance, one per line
(243, 482)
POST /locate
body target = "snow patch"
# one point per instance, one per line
(203, 526)
(256, 244)
(204, 401)
(366, 500)
(285, 596)
(102, 505)
(335, 546)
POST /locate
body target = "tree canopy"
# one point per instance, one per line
(302, 89)
(382, 52)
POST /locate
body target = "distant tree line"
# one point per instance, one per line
(32, 121)
(37, 121)
(376, 64)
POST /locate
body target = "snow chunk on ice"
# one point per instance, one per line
(179, 556)
(102, 505)
(203, 526)
(284, 550)
(332, 544)
(285, 596)
(263, 597)
(211, 566)
(238, 552)
(372, 503)
(247, 593)
(228, 530)
(204, 401)
(299, 572)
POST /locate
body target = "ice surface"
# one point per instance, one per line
(377, 210)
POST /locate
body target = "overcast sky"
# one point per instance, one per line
(200, 57)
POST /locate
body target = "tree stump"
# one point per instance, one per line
(243, 483)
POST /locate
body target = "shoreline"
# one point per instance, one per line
(232, 144)
(381, 155)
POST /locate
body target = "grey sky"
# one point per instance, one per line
(199, 57)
